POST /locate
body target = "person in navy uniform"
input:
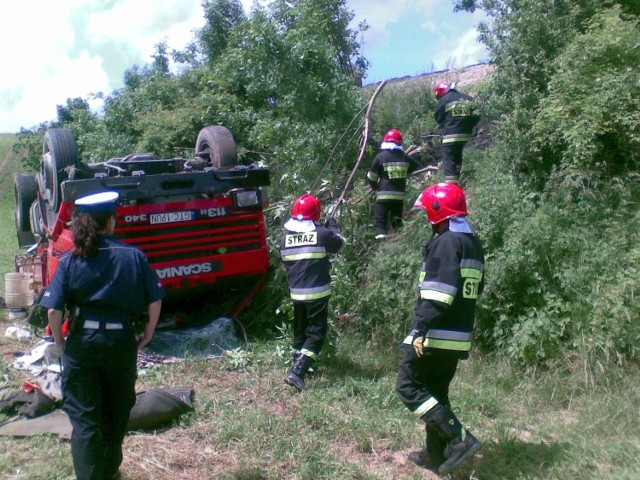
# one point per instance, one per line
(451, 279)
(105, 284)
(304, 251)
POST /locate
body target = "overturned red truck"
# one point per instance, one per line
(199, 221)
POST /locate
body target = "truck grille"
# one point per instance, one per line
(197, 239)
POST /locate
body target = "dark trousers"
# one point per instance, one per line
(310, 324)
(420, 378)
(387, 215)
(98, 386)
(452, 160)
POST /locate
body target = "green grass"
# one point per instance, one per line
(350, 425)
(545, 424)
(9, 164)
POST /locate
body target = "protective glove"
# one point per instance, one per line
(330, 222)
(418, 342)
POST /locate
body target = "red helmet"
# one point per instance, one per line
(307, 207)
(442, 201)
(394, 136)
(441, 89)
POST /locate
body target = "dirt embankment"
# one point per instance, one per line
(465, 77)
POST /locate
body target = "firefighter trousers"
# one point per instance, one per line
(422, 378)
(98, 386)
(387, 215)
(310, 324)
(452, 160)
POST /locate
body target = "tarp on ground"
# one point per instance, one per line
(154, 407)
(210, 339)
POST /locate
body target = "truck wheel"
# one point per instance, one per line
(218, 142)
(25, 190)
(35, 217)
(59, 151)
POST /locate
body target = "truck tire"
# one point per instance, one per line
(59, 151)
(25, 191)
(35, 217)
(218, 142)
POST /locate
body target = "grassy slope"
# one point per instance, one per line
(349, 424)
(8, 166)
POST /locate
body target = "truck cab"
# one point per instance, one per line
(199, 221)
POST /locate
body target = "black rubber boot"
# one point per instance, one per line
(461, 445)
(432, 456)
(301, 364)
(459, 451)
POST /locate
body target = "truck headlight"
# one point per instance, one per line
(246, 199)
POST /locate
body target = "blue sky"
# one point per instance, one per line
(409, 37)
(52, 51)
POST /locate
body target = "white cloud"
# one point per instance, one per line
(459, 48)
(42, 93)
(144, 23)
(407, 37)
(60, 49)
(467, 49)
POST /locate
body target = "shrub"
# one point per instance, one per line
(560, 267)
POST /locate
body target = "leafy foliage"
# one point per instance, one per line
(408, 108)
(221, 17)
(558, 190)
(600, 127)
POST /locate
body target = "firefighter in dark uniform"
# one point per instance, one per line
(304, 251)
(450, 281)
(454, 112)
(388, 178)
(105, 285)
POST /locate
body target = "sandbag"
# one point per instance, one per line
(158, 406)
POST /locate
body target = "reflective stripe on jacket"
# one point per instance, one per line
(445, 340)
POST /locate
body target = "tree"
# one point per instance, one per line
(598, 129)
(524, 39)
(221, 16)
(161, 61)
(280, 87)
(331, 20)
(66, 113)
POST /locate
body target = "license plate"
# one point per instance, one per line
(172, 217)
